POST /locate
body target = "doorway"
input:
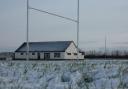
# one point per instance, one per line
(38, 55)
(46, 55)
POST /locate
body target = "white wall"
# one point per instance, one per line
(52, 55)
(72, 49)
(19, 56)
(41, 55)
(81, 56)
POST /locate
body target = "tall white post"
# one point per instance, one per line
(27, 32)
(78, 29)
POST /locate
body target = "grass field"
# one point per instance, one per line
(87, 74)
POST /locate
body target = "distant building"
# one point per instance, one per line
(49, 50)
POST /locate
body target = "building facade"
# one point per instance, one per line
(49, 50)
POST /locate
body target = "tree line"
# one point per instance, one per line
(107, 54)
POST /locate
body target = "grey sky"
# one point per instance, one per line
(97, 18)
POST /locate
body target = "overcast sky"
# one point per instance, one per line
(97, 19)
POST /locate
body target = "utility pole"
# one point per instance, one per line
(27, 32)
(78, 29)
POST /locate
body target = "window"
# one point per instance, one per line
(56, 55)
(69, 53)
(21, 53)
(33, 53)
(75, 53)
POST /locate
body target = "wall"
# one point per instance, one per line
(72, 49)
(19, 56)
(52, 55)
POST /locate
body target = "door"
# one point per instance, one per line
(38, 54)
(46, 55)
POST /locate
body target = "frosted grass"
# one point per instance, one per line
(88, 74)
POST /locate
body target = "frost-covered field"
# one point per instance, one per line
(89, 74)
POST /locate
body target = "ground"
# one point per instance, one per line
(88, 74)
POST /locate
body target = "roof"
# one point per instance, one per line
(50, 46)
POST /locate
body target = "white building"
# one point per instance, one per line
(49, 50)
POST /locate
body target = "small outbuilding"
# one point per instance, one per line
(49, 50)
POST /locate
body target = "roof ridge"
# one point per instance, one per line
(49, 41)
